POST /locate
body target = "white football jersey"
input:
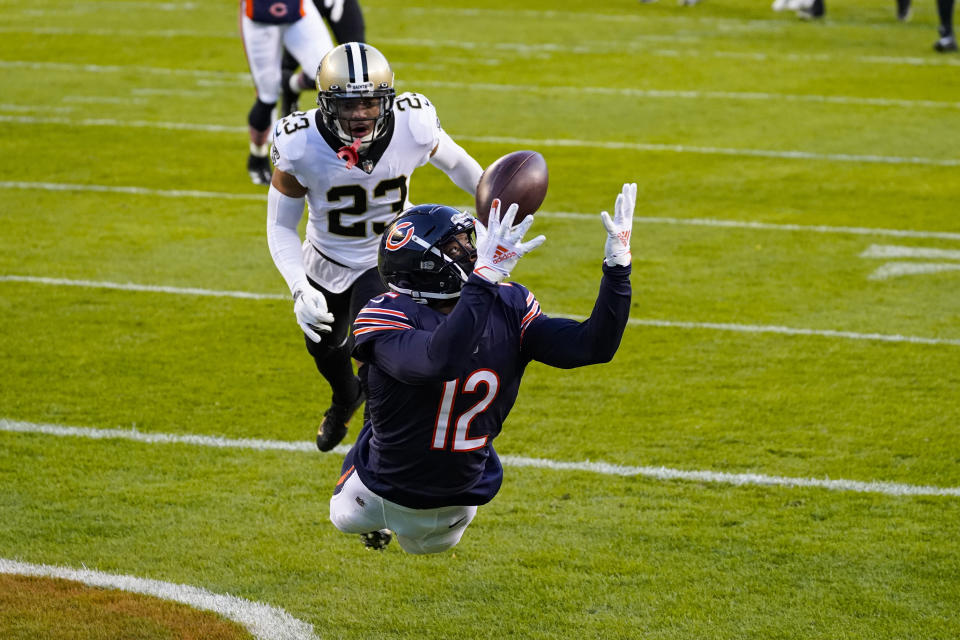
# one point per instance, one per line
(348, 209)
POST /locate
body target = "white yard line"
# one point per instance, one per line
(896, 251)
(698, 222)
(898, 269)
(263, 621)
(603, 468)
(524, 142)
(666, 324)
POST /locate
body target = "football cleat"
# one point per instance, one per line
(945, 44)
(288, 97)
(334, 426)
(259, 169)
(377, 540)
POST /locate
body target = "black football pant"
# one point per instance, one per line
(945, 12)
(332, 353)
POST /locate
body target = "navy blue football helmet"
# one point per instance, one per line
(411, 258)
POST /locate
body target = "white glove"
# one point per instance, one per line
(617, 248)
(336, 9)
(310, 307)
(500, 244)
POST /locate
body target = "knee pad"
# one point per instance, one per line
(261, 115)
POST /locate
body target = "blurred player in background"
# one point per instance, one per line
(351, 160)
(345, 19)
(267, 27)
(948, 40)
(443, 354)
(816, 9)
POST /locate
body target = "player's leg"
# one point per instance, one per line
(947, 41)
(262, 44)
(332, 357)
(289, 99)
(345, 19)
(356, 509)
(422, 531)
(308, 41)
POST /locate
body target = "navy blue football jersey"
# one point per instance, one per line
(439, 387)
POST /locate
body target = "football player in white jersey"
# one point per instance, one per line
(351, 160)
(267, 27)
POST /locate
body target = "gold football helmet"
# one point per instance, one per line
(351, 72)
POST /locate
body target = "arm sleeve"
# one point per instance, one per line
(457, 163)
(564, 343)
(283, 216)
(417, 356)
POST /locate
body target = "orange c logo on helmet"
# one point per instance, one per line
(400, 235)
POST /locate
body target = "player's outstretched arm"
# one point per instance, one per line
(564, 343)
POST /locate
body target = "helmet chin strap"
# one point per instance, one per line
(350, 153)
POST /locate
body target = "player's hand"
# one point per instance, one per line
(500, 244)
(336, 9)
(310, 308)
(617, 249)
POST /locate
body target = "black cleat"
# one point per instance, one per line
(904, 10)
(259, 169)
(288, 97)
(377, 540)
(945, 44)
(334, 425)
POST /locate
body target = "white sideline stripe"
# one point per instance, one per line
(642, 93)
(897, 269)
(629, 146)
(701, 222)
(667, 324)
(603, 468)
(263, 621)
(894, 251)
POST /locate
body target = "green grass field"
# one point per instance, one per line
(796, 316)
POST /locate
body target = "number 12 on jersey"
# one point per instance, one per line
(461, 439)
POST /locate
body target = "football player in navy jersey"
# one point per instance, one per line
(351, 160)
(443, 354)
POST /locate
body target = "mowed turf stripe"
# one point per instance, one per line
(666, 324)
(603, 468)
(640, 43)
(524, 142)
(261, 620)
(699, 222)
(666, 94)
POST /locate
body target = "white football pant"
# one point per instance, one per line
(307, 40)
(356, 509)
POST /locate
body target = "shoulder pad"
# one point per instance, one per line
(421, 117)
(290, 136)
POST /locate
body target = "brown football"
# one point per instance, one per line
(519, 177)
